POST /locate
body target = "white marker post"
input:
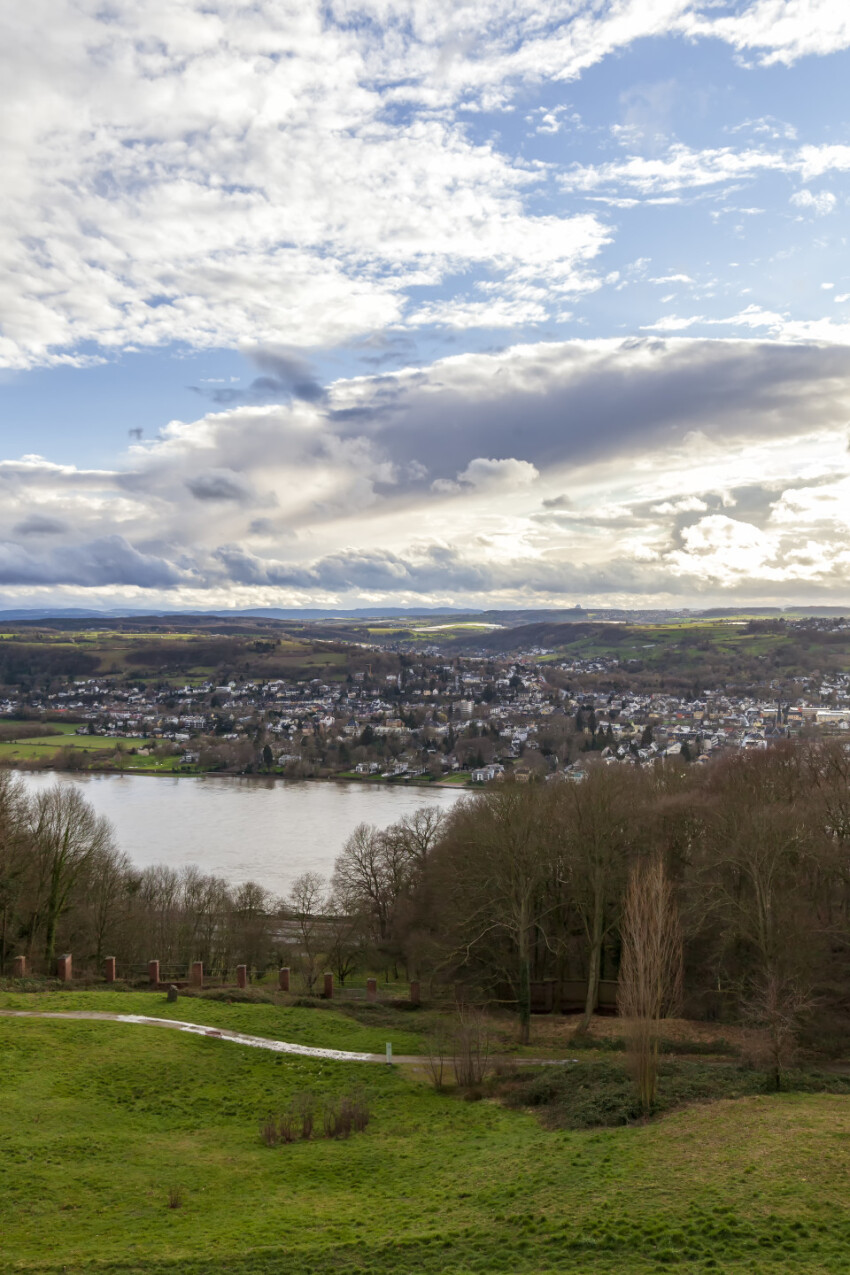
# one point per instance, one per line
(389, 1053)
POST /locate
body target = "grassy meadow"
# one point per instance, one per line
(104, 1126)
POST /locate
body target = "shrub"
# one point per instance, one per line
(591, 1095)
(235, 995)
(471, 1051)
(287, 1125)
(304, 1109)
(340, 1118)
(269, 1131)
(349, 1114)
(437, 1046)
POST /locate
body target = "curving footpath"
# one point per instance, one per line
(240, 1038)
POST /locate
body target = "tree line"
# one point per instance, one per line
(518, 884)
(529, 882)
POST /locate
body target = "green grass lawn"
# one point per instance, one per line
(97, 751)
(40, 745)
(322, 1026)
(98, 1121)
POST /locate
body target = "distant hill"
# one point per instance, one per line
(36, 614)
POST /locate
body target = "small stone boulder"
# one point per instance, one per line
(171, 995)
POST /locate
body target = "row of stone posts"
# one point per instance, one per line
(64, 972)
(64, 968)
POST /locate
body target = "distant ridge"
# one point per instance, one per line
(258, 613)
(502, 617)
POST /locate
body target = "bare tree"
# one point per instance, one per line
(306, 898)
(599, 824)
(250, 923)
(66, 835)
(346, 936)
(15, 860)
(108, 873)
(493, 885)
(420, 833)
(776, 1008)
(376, 874)
(650, 969)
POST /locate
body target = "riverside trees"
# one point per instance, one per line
(518, 884)
(528, 883)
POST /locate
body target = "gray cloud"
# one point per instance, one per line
(440, 568)
(288, 376)
(40, 525)
(397, 466)
(578, 403)
(220, 484)
(110, 560)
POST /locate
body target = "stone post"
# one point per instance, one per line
(242, 975)
(415, 992)
(109, 969)
(197, 976)
(64, 968)
(153, 972)
(19, 967)
(283, 979)
(329, 986)
(371, 989)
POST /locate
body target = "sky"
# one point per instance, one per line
(424, 303)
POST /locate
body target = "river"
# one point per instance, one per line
(257, 829)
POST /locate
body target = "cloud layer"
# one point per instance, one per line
(636, 470)
(229, 173)
(540, 301)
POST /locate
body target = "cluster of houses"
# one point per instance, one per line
(470, 718)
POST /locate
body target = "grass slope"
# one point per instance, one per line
(320, 1026)
(99, 1120)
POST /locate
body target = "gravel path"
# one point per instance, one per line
(240, 1038)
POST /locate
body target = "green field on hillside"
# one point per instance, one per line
(101, 1122)
(87, 751)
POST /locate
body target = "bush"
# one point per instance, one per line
(234, 995)
(269, 1131)
(587, 1095)
(699, 1048)
(340, 1118)
(470, 1051)
(350, 1114)
(304, 1109)
(608, 1044)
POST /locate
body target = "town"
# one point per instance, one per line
(384, 711)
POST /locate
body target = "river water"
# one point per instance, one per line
(257, 829)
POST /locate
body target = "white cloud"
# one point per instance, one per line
(219, 172)
(779, 31)
(821, 202)
(679, 169)
(214, 174)
(686, 504)
(482, 472)
(752, 316)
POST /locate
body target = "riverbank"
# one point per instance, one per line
(26, 766)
